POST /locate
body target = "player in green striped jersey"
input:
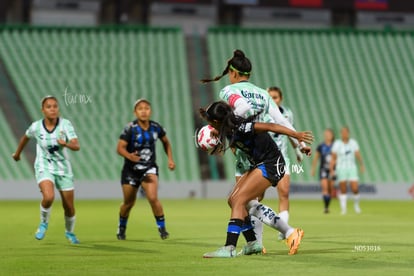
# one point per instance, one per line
(53, 134)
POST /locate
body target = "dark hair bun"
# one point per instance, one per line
(238, 53)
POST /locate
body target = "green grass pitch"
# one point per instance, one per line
(379, 241)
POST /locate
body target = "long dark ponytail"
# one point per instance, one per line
(229, 122)
(239, 63)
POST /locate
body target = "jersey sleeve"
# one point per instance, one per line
(30, 132)
(335, 147)
(70, 131)
(161, 131)
(356, 146)
(291, 117)
(239, 104)
(126, 133)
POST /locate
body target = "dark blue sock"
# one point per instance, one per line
(160, 221)
(123, 221)
(326, 200)
(247, 230)
(233, 231)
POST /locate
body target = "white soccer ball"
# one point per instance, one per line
(205, 140)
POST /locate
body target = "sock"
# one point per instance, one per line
(160, 221)
(123, 221)
(356, 202)
(247, 230)
(233, 231)
(258, 228)
(326, 201)
(266, 215)
(284, 215)
(342, 202)
(70, 224)
(252, 203)
(45, 214)
(356, 199)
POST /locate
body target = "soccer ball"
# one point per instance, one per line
(204, 139)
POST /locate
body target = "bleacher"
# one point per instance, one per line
(9, 170)
(97, 74)
(363, 79)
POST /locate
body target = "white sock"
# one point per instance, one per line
(356, 199)
(70, 223)
(258, 228)
(266, 215)
(252, 203)
(342, 202)
(356, 203)
(284, 215)
(45, 214)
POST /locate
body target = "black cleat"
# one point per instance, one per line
(121, 233)
(163, 233)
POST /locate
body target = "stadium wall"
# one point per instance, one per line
(22, 190)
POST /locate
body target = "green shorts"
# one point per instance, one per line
(243, 164)
(347, 174)
(61, 182)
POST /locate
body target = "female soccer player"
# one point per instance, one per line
(282, 142)
(53, 135)
(137, 145)
(344, 152)
(247, 99)
(267, 170)
(323, 155)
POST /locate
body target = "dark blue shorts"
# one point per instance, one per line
(135, 177)
(273, 170)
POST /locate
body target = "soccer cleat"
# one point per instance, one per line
(223, 252)
(293, 241)
(357, 209)
(163, 233)
(41, 231)
(71, 237)
(121, 233)
(326, 210)
(253, 247)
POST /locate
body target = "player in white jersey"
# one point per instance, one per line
(345, 152)
(53, 134)
(246, 99)
(282, 142)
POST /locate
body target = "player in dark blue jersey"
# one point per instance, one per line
(323, 155)
(267, 169)
(137, 145)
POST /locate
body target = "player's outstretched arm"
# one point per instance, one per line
(304, 136)
(167, 148)
(22, 143)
